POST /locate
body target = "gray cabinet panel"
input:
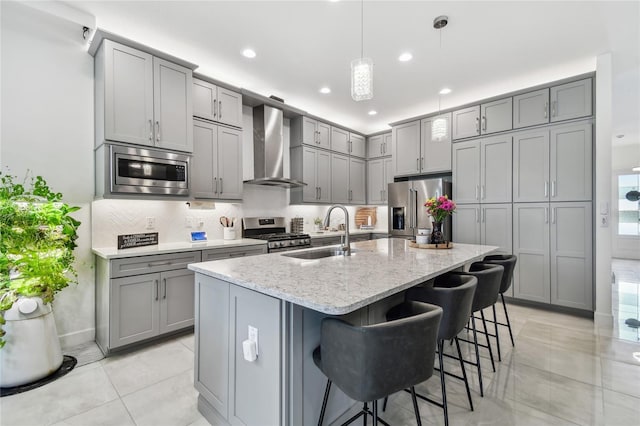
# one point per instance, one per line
(155, 263)
(310, 192)
(386, 144)
(531, 245)
(466, 172)
(229, 107)
(495, 169)
(571, 163)
(324, 135)
(324, 174)
(176, 300)
(531, 166)
(339, 178)
(230, 163)
(496, 116)
(405, 142)
(211, 371)
(466, 122)
(204, 168)
(375, 181)
(309, 131)
(357, 179)
(466, 224)
(255, 389)
(358, 147)
(435, 153)
(571, 255)
(496, 226)
(571, 100)
(134, 309)
(339, 140)
(375, 146)
(229, 252)
(204, 95)
(530, 109)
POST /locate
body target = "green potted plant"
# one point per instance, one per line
(317, 222)
(38, 235)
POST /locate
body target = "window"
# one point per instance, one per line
(628, 211)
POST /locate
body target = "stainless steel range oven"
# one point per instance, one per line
(273, 230)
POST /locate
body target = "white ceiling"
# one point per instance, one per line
(488, 48)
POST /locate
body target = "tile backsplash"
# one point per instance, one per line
(111, 218)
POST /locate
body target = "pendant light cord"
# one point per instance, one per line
(362, 29)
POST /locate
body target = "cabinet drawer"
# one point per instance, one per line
(155, 263)
(226, 253)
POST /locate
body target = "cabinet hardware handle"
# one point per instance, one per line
(546, 189)
(381, 145)
(237, 254)
(215, 182)
(384, 147)
(422, 162)
(221, 187)
(418, 163)
(320, 192)
(215, 108)
(317, 193)
(150, 130)
(382, 195)
(164, 292)
(158, 131)
(546, 215)
(152, 264)
(546, 109)
(553, 188)
(157, 290)
(220, 109)
(553, 108)
(484, 123)
(553, 215)
(477, 125)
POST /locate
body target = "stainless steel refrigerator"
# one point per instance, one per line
(406, 206)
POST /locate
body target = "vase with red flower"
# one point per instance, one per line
(439, 208)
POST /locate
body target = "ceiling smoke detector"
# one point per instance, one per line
(440, 22)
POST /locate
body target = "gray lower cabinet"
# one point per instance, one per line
(554, 248)
(142, 297)
(489, 224)
(229, 252)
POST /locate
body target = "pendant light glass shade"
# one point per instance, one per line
(362, 79)
(438, 129)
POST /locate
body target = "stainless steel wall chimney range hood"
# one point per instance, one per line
(268, 149)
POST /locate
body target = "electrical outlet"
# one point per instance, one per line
(151, 222)
(188, 222)
(253, 336)
(604, 221)
(200, 221)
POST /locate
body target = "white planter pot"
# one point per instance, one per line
(32, 350)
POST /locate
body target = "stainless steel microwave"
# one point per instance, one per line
(147, 171)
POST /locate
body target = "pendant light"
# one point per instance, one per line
(362, 69)
(439, 125)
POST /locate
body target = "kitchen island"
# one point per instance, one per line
(285, 299)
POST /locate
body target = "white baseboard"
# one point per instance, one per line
(602, 320)
(77, 338)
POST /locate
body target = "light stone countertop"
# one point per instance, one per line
(338, 285)
(113, 253)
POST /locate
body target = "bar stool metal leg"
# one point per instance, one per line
(324, 402)
(506, 314)
(442, 382)
(475, 343)
(415, 405)
(495, 325)
(486, 336)
(464, 373)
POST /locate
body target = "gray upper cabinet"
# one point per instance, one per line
(496, 116)
(340, 192)
(435, 153)
(307, 131)
(379, 175)
(571, 100)
(375, 146)
(357, 179)
(405, 144)
(313, 167)
(142, 99)
(466, 172)
(216, 162)
(339, 140)
(466, 122)
(531, 109)
(531, 166)
(357, 145)
(216, 103)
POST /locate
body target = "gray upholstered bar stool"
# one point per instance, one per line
(489, 278)
(370, 362)
(508, 262)
(454, 294)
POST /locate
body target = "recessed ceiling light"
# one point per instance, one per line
(373, 112)
(405, 57)
(445, 91)
(325, 90)
(249, 53)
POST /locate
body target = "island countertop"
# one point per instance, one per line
(338, 285)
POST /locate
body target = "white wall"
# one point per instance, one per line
(47, 128)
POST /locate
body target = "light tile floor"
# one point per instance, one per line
(561, 372)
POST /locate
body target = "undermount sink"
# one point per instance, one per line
(318, 254)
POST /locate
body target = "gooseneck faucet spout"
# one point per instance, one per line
(346, 247)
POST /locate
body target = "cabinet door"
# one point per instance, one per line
(374, 146)
(466, 122)
(405, 143)
(324, 135)
(386, 145)
(531, 166)
(134, 309)
(358, 147)
(309, 131)
(311, 191)
(530, 109)
(339, 178)
(496, 226)
(204, 95)
(229, 107)
(466, 224)
(323, 176)
(172, 105)
(571, 257)
(357, 179)
(571, 163)
(496, 116)
(571, 100)
(388, 177)
(128, 91)
(230, 163)
(531, 246)
(495, 169)
(204, 167)
(339, 140)
(435, 153)
(466, 172)
(375, 181)
(177, 300)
